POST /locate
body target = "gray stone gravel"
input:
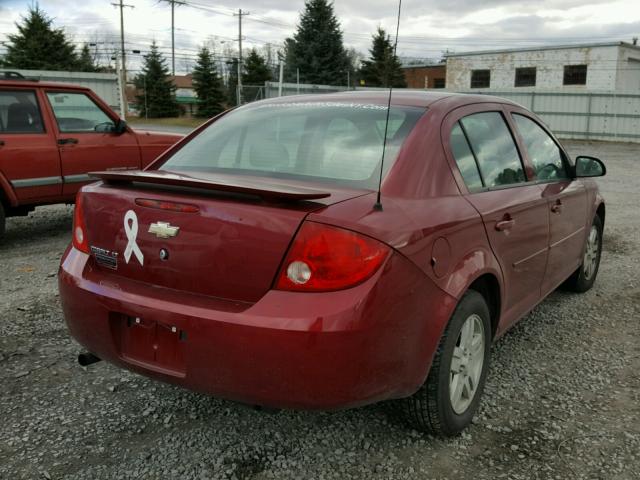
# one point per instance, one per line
(562, 399)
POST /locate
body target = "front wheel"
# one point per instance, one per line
(447, 401)
(585, 276)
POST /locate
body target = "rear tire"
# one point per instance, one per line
(585, 276)
(448, 399)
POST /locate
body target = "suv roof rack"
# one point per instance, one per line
(11, 75)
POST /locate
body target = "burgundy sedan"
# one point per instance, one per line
(252, 261)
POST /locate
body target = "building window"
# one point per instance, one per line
(575, 75)
(526, 77)
(480, 78)
(438, 83)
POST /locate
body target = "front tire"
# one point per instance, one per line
(447, 401)
(585, 276)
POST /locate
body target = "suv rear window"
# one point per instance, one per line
(339, 143)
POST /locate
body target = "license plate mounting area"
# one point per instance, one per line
(151, 344)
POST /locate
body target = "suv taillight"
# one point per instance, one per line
(79, 230)
(324, 258)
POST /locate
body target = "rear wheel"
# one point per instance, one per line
(585, 276)
(447, 401)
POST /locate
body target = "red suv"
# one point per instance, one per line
(51, 135)
(255, 260)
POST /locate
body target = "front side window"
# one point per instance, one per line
(480, 78)
(76, 112)
(494, 148)
(333, 142)
(575, 75)
(19, 112)
(545, 155)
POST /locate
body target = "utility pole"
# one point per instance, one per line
(121, 87)
(240, 14)
(122, 6)
(173, 33)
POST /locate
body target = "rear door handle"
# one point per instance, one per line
(66, 141)
(1, 143)
(506, 224)
(557, 207)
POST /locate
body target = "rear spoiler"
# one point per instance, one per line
(252, 186)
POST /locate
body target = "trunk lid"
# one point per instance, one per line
(231, 247)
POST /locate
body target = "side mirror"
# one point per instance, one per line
(106, 127)
(589, 167)
(121, 127)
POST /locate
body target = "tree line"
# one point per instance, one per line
(315, 54)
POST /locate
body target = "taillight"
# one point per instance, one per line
(324, 258)
(79, 230)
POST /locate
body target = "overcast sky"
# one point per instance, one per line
(427, 28)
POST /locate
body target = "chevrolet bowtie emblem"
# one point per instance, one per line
(163, 230)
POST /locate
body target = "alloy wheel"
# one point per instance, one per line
(466, 364)
(591, 254)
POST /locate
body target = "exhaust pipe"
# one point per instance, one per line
(85, 359)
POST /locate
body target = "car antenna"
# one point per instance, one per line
(378, 204)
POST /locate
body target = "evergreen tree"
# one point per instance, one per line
(316, 49)
(288, 56)
(85, 60)
(157, 92)
(383, 69)
(39, 46)
(256, 71)
(208, 85)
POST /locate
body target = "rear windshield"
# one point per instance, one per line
(340, 143)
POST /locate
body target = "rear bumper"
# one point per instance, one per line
(288, 350)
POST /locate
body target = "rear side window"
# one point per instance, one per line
(544, 153)
(19, 112)
(76, 112)
(494, 148)
(464, 158)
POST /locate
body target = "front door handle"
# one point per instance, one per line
(67, 141)
(1, 143)
(557, 207)
(506, 223)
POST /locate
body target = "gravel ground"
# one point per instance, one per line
(562, 399)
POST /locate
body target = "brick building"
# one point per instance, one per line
(613, 66)
(425, 76)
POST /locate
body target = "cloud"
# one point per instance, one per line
(428, 27)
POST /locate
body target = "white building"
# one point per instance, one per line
(588, 67)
